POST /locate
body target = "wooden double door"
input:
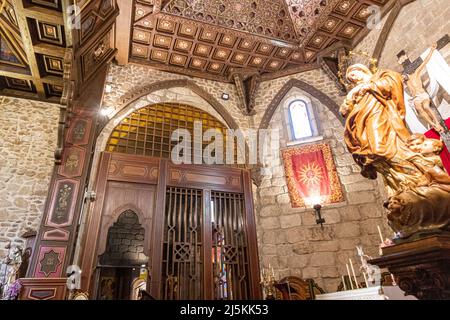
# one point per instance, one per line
(192, 226)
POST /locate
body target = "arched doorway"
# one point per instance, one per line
(200, 234)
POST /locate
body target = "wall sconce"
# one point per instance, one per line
(319, 219)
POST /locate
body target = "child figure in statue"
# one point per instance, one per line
(429, 149)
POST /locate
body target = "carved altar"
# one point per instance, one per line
(421, 266)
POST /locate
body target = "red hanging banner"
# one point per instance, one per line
(311, 176)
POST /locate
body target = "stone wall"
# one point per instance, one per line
(269, 89)
(370, 40)
(418, 25)
(28, 135)
(291, 241)
(125, 79)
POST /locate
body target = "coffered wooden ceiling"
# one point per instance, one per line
(32, 48)
(47, 49)
(213, 38)
(238, 41)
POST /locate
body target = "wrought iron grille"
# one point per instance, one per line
(229, 252)
(182, 247)
(148, 130)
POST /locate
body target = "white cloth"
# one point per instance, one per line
(413, 122)
(438, 71)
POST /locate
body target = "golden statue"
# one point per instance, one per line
(377, 137)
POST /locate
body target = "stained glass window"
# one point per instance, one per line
(300, 120)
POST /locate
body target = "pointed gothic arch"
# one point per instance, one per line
(311, 90)
(139, 92)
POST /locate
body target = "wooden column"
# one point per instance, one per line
(255, 288)
(157, 233)
(58, 231)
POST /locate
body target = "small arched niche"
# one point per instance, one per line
(123, 259)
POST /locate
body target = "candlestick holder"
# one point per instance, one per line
(268, 285)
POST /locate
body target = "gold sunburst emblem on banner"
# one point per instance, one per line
(310, 174)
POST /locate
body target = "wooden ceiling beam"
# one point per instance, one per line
(13, 74)
(50, 50)
(123, 23)
(21, 15)
(68, 31)
(47, 79)
(41, 14)
(53, 80)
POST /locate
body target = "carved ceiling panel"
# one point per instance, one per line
(32, 47)
(41, 43)
(268, 18)
(208, 38)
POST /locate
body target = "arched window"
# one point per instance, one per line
(300, 120)
(148, 130)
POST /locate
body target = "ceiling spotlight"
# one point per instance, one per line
(225, 96)
(108, 88)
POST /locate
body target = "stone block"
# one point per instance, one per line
(347, 230)
(289, 221)
(349, 243)
(310, 273)
(369, 226)
(349, 213)
(269, 249)
(270, 210)
(325, 246)
(301, 248)
(270, 223)
(329, 272)
(371, 210)
(295, 235)
(323, 259)
(321, 234)
(298, 261)
(331, 216)
(283, 198)
(361, 197)
(360, 186)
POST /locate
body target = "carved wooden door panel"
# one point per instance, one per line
(200, 234)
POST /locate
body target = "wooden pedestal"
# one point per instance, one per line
(421, 267)
(43, 289)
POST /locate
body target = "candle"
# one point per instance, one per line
(381, 236)
(393, 280)
(343, 283)
(353, 272)
(349, 277)
(365, 280)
